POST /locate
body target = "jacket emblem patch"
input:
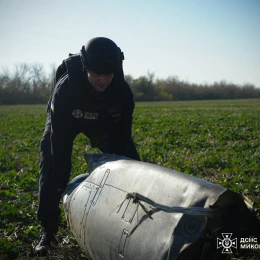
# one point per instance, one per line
(52, 107)
(91, 115)
(77, 113)
(114, 112)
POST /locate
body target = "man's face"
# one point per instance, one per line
(99, 81)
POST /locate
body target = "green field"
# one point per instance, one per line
(215, 140)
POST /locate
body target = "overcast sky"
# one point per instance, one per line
(200, 41)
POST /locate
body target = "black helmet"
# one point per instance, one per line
(102, 56)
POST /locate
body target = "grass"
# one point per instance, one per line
(215, 140)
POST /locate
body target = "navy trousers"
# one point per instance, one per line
(49, 196)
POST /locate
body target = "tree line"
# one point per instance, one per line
(29, 84)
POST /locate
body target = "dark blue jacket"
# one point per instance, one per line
(75, 107)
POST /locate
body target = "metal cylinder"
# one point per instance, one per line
(126, 209)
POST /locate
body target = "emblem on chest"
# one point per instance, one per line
(77, 113)
(112, 114)
(87, 115)
(91, 115)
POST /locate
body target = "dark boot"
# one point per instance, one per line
(48, 240)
